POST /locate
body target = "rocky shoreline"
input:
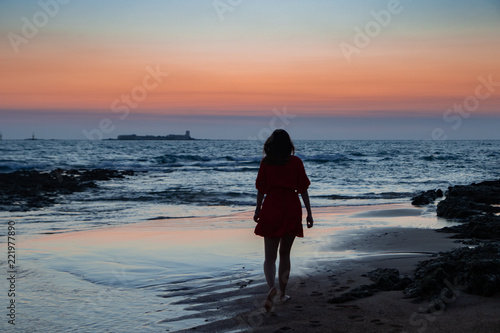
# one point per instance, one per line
(32, 189)
(473, 268)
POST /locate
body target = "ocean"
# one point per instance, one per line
(217, 177)
(164, 249)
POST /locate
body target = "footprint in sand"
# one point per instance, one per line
(341, 288)
(396, 326)
(356, 318)
(297, 308)
(377, 322)
(316, 294)
(350, 307)
(314, 323)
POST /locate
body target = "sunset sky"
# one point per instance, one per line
(335, 69)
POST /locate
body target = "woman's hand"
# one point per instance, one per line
(256, 215)
(310, 221)
(260, 198)
(307, 203)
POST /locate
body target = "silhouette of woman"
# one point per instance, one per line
(280, 180)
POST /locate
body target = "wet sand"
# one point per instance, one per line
(223, 290)
(383, 247)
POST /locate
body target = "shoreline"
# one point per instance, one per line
(204, 274)
(310, 308)
(207, 272)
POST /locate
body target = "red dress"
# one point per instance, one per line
(281, 212)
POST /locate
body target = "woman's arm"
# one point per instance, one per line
(260, 198)
(307, 203)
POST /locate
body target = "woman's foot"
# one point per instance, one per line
(270, 298)
(283, 298)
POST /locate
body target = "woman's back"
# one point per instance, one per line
(291, 175)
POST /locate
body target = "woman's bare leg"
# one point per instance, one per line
(286, 243)
(271, 253)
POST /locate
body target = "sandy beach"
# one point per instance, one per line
(203, 277)
(401, 248)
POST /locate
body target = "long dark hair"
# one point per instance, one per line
(278, 148)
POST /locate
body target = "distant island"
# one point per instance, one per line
(186, 136)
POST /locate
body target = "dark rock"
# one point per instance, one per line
(487, 192)
(104, 174)
(463, 201)
(458, 208)
(477, 227)
(388, 279)
(25, 190)
(475, 205)
(473, 270)
(427, 197)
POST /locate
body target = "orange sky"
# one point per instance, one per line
(408, 80)
(405, 69)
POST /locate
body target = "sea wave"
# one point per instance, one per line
(364, 196)
(172, 158)
(246, 160)
(237, 169)
(179, 195)
(10, 166)
(431, 158)
(325, 158)
(208, 177)
(357, 154)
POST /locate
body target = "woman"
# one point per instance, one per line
(280, 179)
